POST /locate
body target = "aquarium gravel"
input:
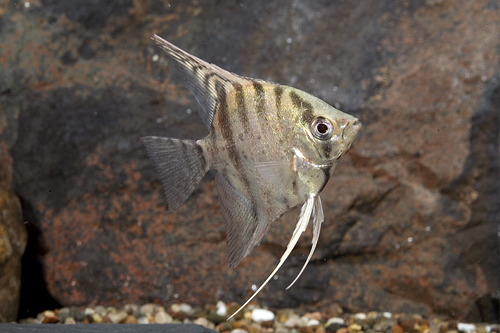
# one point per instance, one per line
(256, 319)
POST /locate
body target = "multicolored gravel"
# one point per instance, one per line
(255, 319)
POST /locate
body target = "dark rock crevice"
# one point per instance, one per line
(480, 184)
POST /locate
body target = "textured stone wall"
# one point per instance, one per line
(412, 211)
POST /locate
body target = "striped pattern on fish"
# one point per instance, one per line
(274, 148)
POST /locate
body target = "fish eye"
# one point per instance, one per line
(321, 128)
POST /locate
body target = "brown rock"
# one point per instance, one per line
(13, 238)
(407, 323)
(50, 320)
(130, 320)
(397, 329)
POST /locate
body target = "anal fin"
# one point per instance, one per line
(240, 218)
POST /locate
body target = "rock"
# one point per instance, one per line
(161, 317)
(130, 320)
(69, 321)
(96, 318)
(313, 323)
(260, 315)
(354, 328)
(334, 324)
(50, 320)
(221, 308)
(384, 324)
(407, 323)
(238, 330)
(63, 314)
(77, 314)
(186, 308)
(397, 329)
(292, 321)
(313, 315)
(417, 190)
(88, 311)
(175, 308)
(148, 308)
(13, 239)
(466, 328)
(132, 309)
(118, 316)
(204, 322)
(102, 310)
(142, 320)
(241, 323)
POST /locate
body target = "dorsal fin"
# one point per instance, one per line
(200, 77)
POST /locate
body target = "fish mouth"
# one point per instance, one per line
(351, 130)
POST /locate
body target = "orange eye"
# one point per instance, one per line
(321, 128)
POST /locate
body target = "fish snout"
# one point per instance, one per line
(351, 127)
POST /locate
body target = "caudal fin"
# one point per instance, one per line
(181, 166)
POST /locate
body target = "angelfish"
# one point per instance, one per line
(274, 147)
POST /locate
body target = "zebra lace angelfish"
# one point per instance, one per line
(274, 147)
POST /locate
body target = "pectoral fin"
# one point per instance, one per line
(276, 173)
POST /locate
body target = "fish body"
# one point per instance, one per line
(274, 148)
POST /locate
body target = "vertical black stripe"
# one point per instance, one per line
(240, 102)
(326, 172)
(278, 92)
(203, 161)
(228, 135)
(223, 114)
(261, 101)
(305, 107)
(295, 188)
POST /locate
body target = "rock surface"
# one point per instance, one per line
(13, 238)
(412, 212)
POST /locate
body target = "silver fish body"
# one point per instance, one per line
(274, 148)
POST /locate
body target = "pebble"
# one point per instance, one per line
(186, 308)
(63, 314)
(313, 322)
(101, 310)
(259, 320)
(260, 315)
(221, 308)
(335, 320)
(354, 328)
(117, 316)
(130, 320)
(96, 318)
(238, 330)
(360, 316)
(132, 309)
(161, 317)
(204, 322)
(466, 328)
(148, 308)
